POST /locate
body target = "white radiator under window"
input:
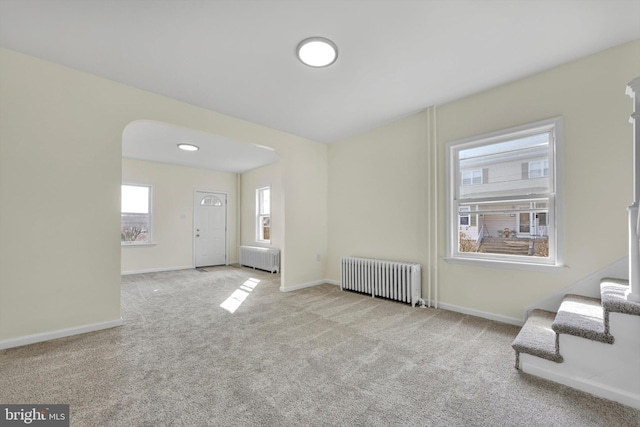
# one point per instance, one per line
(267, 259)
(400, 281)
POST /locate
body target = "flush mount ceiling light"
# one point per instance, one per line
(188, 147)
(317, 52)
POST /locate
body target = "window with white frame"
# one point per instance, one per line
(539, 169)
(471, 177)
(136, 214)
(263, 214)
(467, 220)
(517, 217)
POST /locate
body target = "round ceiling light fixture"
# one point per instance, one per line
(188, 147)
(317, 52)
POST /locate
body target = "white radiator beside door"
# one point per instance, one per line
(399, 281)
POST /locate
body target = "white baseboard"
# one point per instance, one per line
(160, 270)
(47, 336)
(308, 285)
(157, 270)
(483, 314)
(583, 384)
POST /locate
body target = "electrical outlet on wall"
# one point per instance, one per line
(318, 257)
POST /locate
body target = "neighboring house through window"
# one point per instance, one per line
(263, 214)
(136, 214)
(516, 216)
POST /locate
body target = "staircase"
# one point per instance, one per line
(505, 246)
(590, 344)
(593, 344)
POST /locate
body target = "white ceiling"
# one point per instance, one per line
(158, 142)
(396, 57)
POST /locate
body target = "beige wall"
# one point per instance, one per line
(299, 220)
(305, 187)
(60, 175)
(378, 196)
(173, 188)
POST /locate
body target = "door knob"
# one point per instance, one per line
(197, 235)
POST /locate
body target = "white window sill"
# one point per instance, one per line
(509, 265)
(132, 244)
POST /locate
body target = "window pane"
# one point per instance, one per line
(211, 201)
(265, 227)
(542, 219)
(263, 208)
(472, 177)
(477, 176)
(135, 199)
(134, 228)
(516, 227)
(265, 201)
(509, 163)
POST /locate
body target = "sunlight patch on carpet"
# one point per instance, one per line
(238, 296)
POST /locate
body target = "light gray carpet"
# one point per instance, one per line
(583, 317)
(537, 337)
(614, 298)
(314, 357)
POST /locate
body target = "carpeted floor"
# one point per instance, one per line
(313, 357)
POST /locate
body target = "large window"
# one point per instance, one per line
(516, 216)
(263, 214)
(136, 220)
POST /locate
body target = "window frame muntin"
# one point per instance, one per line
(555, 215)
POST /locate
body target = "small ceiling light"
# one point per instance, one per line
(317, 52)
(188, 147)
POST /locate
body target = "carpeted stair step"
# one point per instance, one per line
(614, 297)
(582, 317)
(537, 338)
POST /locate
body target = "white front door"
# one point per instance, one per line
(210, 228)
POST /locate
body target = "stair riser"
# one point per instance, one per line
(611, 371)
(625, 329)
(559, 373)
